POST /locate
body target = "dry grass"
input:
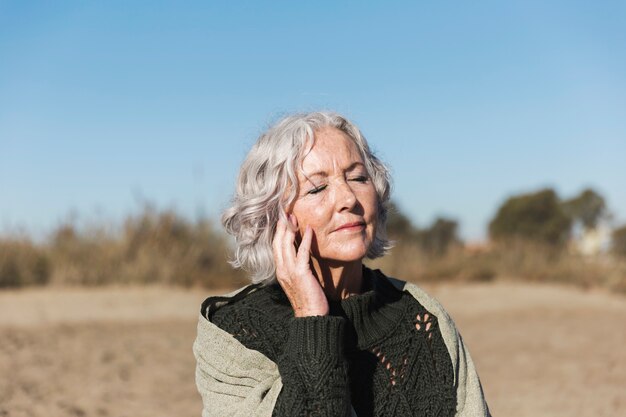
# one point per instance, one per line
(520, 260)
(162, 247)
(22, 263)
(153, 247)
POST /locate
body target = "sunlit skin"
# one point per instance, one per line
(335, 213)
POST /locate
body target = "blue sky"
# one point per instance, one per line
(104, 104)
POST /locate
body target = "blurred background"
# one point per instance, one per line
(123, 126)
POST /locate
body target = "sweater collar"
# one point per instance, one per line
(375, 313)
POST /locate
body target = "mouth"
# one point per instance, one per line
(351, 226)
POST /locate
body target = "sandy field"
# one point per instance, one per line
(540, 350)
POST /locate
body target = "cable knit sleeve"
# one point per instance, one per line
(314, 369)
(308, 352)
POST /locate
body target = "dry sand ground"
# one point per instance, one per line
(540, 350)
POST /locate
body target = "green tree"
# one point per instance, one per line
(534, 216)
(587, 208)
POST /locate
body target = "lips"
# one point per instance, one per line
(349, 225)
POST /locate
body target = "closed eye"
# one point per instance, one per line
(360, 179)
(317, 189)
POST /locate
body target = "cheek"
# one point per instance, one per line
(370, 201)
(310, 214)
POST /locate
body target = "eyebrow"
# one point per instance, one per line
(325, 174)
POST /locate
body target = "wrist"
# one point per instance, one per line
(315, 337)
(306, 312)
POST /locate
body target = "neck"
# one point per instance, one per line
(339, 280)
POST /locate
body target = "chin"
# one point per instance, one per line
(346, 255)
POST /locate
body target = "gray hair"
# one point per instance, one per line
(268, 182)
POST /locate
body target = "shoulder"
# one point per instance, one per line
(248, 297)
(429, 302)
(255, 316)
(216, 343)
(447, 326)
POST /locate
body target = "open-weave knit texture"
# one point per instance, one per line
(381, 353)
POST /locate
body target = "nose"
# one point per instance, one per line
(345, 197)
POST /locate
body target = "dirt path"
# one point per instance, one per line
(540, 350)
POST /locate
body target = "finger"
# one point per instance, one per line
(288, 248)
(296, 230)
(293, 221)
(277, 243)
(305, 247)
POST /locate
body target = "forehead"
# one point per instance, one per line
(333, 151)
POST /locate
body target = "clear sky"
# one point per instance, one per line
(104, 104)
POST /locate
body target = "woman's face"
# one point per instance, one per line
(337, 198)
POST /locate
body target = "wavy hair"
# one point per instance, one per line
(268, 183)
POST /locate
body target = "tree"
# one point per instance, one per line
(535, 217)
(399, 226)
(438, 238)
(587, 208)
(434, 240)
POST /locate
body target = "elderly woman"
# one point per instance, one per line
(318, 333)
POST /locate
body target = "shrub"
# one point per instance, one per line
(22, 263)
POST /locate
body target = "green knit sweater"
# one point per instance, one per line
(380, 351)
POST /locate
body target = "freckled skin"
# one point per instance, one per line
(346, 194)
(334, 190)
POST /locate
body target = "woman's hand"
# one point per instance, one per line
(294, 273)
